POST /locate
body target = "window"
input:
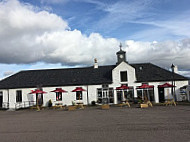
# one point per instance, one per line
(79, 95)
(105, 95)
(99, 96)
(145, 94)
(123, 76)
(58, 96)
(18, 96)
(123, 95)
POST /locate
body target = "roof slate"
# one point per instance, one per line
(83, 76)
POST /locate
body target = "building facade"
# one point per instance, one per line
(99, 84)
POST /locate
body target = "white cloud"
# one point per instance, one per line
(30, 35)
(122, 12)
(178, 25)
(161, 53)
(8, 73)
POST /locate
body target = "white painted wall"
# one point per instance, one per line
(70, 96)
(188, 92)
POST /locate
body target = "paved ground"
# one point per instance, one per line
(157, 124)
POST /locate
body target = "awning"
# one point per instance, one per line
(145, 86)
(78, 89)
(166, 85)
(59, 90)
(123, 87)
(37, 91)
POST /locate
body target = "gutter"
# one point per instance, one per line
(87, 95)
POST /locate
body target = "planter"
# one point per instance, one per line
(144, 105)
(105, 106)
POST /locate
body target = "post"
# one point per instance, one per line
(87, 95)
(173, 82)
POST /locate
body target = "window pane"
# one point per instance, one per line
(58, 96)
(151, 94)
(79, 95)
(18, 96)
(111, 94)
(130, 95)
(139, 94)
(123, 76)
(99, 93)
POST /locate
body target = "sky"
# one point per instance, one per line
(46, 34)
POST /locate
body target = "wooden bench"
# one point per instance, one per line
(58, 106)
(125, 104)
(70, 108)
(80, 105)
(35, 107)
(170, 102)
(149, 103)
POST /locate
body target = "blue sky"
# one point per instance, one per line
(67, 33)
(124, 19)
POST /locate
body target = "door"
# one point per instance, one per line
(119, 96)
(105, 97)
(161, 94)
(1, 101)
(39, 99)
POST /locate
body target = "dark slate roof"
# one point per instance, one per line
(151, 73)
(83, 76)
(120, 52)
(59, 77)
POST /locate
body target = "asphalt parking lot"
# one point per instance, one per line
(157, 124)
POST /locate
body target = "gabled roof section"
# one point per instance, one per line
(148, 72)
(59, 77)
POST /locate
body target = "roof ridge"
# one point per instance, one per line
(64, 68)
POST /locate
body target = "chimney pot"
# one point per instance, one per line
(95, 63)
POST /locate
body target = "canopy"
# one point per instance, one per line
(78, 89)
(122, 87)
(59, 90)
(37, 91)
(145, 86)
(166, 85)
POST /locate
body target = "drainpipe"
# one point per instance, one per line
(8, 96)
(87, 95)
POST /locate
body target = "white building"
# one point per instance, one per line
(99, 83)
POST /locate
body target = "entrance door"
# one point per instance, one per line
(1, 101)
(161, 94)
(119, 96)
(105, 97)
(39, 98)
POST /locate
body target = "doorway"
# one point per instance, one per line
(161, 95)
(119, 96)
(39, 99)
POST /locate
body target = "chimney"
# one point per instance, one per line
(95, 63)
(175, 69)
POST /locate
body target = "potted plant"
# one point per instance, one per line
(50, 103)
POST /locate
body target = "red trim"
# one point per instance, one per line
(145, 86)
(37, 91)
(78, 89)
(123, 87)
(166, 85)
(59, 90)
